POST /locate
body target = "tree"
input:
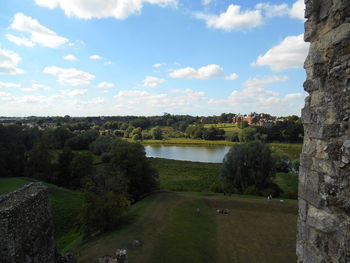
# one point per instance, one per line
(101, 213)
(157, 133)
(129, 160)
(63, 171)
(247, 134)
(12, 149)
(80, 167)
(39, 160)
(247, 165)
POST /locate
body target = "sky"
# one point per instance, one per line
(148, 57)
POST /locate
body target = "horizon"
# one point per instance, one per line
(146, 57)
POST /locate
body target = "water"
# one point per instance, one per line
(209, 154)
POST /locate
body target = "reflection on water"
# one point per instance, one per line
(209, 154)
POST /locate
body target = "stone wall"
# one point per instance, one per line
(26, 227)
(324, 178)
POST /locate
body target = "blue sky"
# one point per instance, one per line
(147, 57)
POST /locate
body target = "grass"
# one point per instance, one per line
(204, 177)
(292, 150)
(186, 176)
(65, 207)
(256, 230)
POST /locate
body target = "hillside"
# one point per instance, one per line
(256, 230)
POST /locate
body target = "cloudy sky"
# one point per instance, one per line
(147, 57)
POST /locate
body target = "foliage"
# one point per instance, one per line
(129, 160)
(39, 160)
(248, 164)
(12, 149)
(101, 145)
(101, 213)
(157, 133)
(81, 166)
(82, 140)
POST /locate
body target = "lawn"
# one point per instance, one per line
(204, 177)
(65, 207)
(256, 230)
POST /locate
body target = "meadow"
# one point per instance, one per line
(256, 230)
(204, 177)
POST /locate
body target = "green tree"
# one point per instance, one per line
(81, 166)
(63, 171)
(247, 165)
(247, 134)
(39, 160)
(101, 213)
(12, 149)
(157, 133)
(129, 160)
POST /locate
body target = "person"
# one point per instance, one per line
(197, 211)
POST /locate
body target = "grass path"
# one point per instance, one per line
(256, 230)
(156, 222)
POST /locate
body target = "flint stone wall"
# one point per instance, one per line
(324, 177)
(26, 227)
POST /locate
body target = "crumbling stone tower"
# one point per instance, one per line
(324, 178)
(26, 227)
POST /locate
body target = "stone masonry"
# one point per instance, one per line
(26, 227)
(324, 177)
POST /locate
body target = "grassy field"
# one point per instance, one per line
(65, 207)
(203, 177)
(256, 230)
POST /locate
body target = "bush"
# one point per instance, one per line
(247, 165)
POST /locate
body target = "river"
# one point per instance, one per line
(209, 154)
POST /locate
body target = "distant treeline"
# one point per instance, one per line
(281, 129)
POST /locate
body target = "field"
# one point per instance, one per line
(203, 177)
(65, 207)
(256, 230)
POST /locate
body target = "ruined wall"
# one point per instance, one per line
(26, 227)
(324, 178)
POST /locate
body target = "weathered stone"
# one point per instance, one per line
(26, 227)
(324, 182)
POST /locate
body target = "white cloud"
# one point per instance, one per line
(20, 41)
(261, 100)
(5, 96)
(158, 65)
(39, 34)
(233, 19)
(74, 93)
(108, 63)
(260, 82)
(290, 53)
(154, 103)
(105, 85)
(36, 99)
(70, 57)
(295, 11)
(274, 10)
(36, 87)
(70, 76)
(152, 82)
(8, 63)
(9, 85)
(298, 10)
(206, 2)
(233, 76)
(95, 57)
(119, 9)
(206, 72)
